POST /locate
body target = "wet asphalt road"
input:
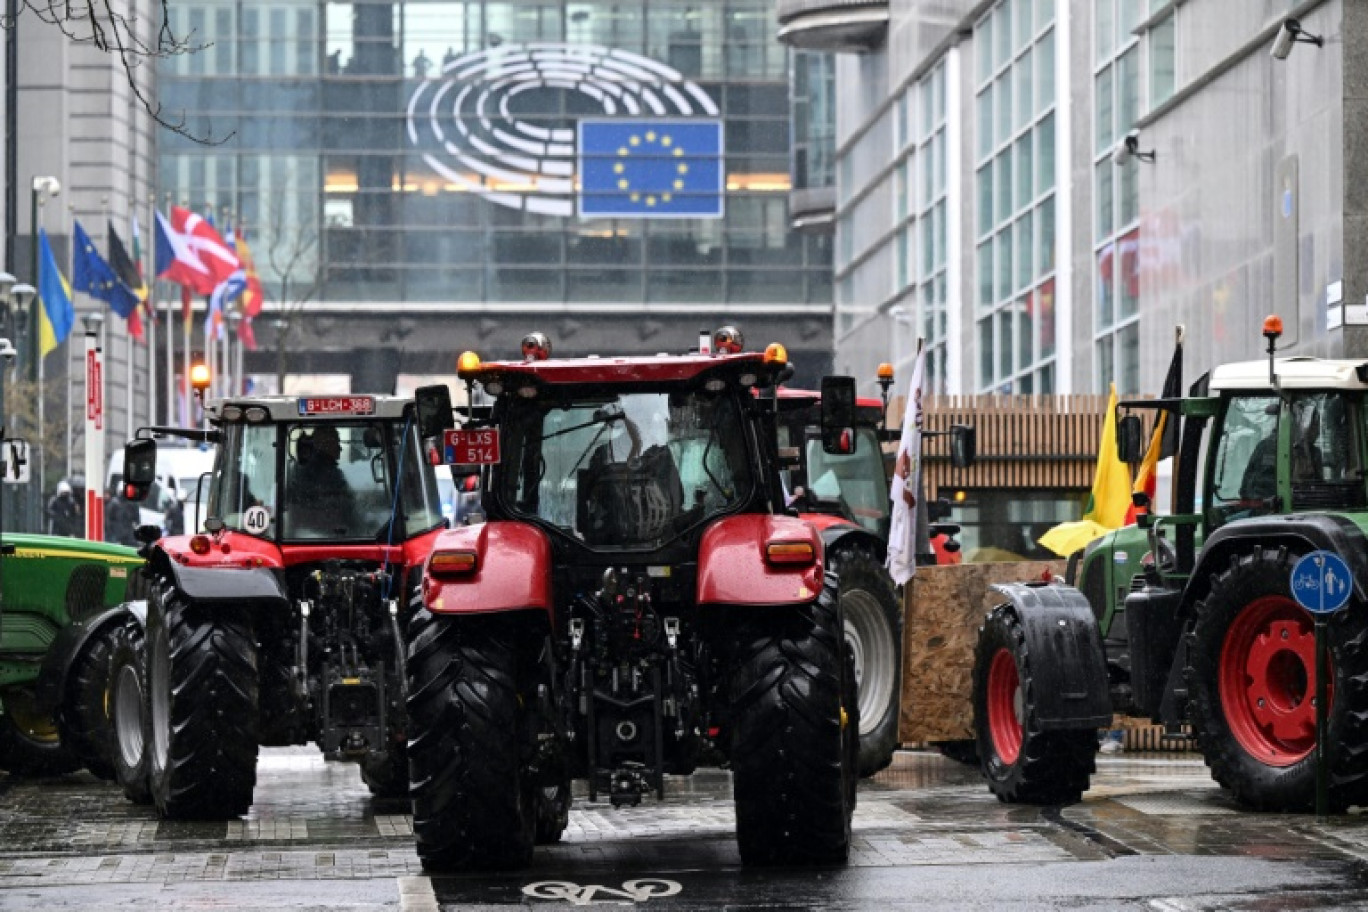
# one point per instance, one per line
(1154, 833)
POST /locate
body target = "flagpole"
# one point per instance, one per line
(151, 309)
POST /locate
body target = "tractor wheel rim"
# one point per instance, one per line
(1267, 680)
(1004, 706)
(875, 656)
(128, 710)
(35, 726)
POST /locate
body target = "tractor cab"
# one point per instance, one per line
(299, 469)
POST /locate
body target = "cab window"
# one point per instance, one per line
(242, 492)
(1244, 475)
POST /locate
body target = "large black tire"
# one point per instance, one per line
(202, 687)
(1022, 763)
(83, 717)
(387, 776)
(128, 713)
(1251, 683)
(473, 741)
(553, 811)
(29, 743)
(873, 628)
(789, 750)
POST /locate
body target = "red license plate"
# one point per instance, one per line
(471, 447)
(337, 405)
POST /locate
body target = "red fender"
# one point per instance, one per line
(512, 570)
(732, 569)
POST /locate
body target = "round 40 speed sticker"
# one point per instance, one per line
(256, 520)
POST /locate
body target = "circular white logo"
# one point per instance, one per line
(256, 520)
(466, 120)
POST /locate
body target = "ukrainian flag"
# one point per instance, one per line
(55, 315)
(651, 169)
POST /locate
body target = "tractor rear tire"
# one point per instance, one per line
(29, 744)
(1022, 763)
(474, 793)
(789, 750)
(202, 691)
(1251, 680)
(128, 713)
(873, 628)
(83, 717)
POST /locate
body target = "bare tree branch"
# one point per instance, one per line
(98, 23)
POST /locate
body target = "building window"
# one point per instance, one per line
(1015, 187)
(1163, 58)
(1117, 91)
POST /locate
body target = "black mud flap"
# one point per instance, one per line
(1068, 664)
(238, 586)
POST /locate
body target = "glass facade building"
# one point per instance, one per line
(423, 152)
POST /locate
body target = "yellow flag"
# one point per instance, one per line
(1111, 490)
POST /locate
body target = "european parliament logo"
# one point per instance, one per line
(650, 169)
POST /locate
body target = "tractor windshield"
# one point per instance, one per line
(336, 482)
(627, 471)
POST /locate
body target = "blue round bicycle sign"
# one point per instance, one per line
(1321, 582)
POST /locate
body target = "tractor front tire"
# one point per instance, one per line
(29, 744)
(128, 713)
(873, 628)
(789, 748)
(1252, 682)
(1022, 763)
(83, 717)
(202, 692)
(474, 797)
(387, 776)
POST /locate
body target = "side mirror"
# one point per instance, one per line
(838, 414)
(434, 410)
(1130, 439)
(963, 445)
(139, 468)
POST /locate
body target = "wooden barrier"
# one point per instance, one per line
(943, 610)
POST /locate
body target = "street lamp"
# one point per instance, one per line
(38, 187)
(14, 301)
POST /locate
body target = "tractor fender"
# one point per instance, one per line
(1069, 666)
(512, 570)
(1296, 531)
(224, 584)
(733, 570)
(844, 535)
(70, 641)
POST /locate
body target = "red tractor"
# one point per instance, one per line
(640, 601)
(282, 624)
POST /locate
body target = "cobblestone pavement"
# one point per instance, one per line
(927, 835)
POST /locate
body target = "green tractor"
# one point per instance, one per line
(61, 603)
(1190, 619)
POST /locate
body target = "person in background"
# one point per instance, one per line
(64, 514)
(121, 517)
(173, 518)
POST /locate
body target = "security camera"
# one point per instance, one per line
(1282, 44)
(1123, 151)
(1290, 33)
(7, 350)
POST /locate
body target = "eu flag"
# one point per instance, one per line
(650, 169)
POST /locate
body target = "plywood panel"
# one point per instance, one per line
(944, 608)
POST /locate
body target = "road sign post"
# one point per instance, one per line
(1321, 583)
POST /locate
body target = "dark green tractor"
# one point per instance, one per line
(1189, 618)
(61, 604)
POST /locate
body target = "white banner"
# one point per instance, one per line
(906, 488)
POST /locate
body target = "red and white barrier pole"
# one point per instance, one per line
(94, 438)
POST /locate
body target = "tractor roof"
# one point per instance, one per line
(323, 407)
(1293, 373)
(663, 368)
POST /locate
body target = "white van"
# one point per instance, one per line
(178, 471)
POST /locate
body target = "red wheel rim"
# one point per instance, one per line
(1267, 680)
(1004, 695)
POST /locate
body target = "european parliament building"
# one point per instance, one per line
(421, 177)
